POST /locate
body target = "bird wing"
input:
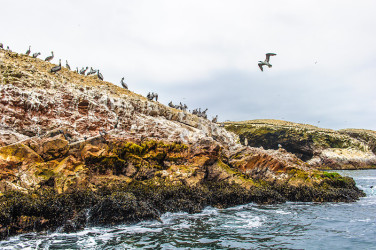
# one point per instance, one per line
(260, 65)
(268, 56)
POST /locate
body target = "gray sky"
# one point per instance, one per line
(205, 53)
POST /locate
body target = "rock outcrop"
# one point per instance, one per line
(320, 148)
(76, 150)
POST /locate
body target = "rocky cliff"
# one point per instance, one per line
(78, 151)
(320, 148)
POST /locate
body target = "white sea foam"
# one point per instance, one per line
(244, 221)
(281, 212)
(232, 227)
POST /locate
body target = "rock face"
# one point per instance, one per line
(76, 150)
(320, 148)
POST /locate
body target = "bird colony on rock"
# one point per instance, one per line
(150, 96)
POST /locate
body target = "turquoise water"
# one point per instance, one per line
(293, 225)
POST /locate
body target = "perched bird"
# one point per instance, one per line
(1, 46)
(35, 55)
(83, 70)
(123, 83)
(8, 49)
(266, 62)
(76, 69)
(49, 58)
(56, 68)
(28, 51)
(91, 72)
(103, 134)
(100, 76)
(67, 65)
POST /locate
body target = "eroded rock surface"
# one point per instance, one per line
(76, 150)
(320, 148)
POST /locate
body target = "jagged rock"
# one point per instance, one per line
(8, 137)
(70, 174)
(50, 148)
(320, 148)
(216, 172)
(90, 150)
(89, 144)
(17, 154)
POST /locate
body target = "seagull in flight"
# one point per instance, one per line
(266, 62)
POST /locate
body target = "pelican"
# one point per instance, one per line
(67, 65)
(100, 76)
(91, 72)
(28, 51)
(83, 70)
(266, 62)
(36, 54)
(49, 58)
(56, 68)
(123, 83)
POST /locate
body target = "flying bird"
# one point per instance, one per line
(266, 62)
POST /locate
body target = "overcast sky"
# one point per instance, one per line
(205, 53)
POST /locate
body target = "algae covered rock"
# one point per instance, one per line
(78, 152)
(320, 148)
(18, 154)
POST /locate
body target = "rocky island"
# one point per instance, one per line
(78, 151)
(320, 148)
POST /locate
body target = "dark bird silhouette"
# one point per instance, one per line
(1, 46)
(36, 54)
(76, 69)
(56, 68)
(100, 76)
(103, 133)
(49, 58)
(91, 72)
(67, 65)
(28, 51)
(123, 83)
(266, 62)
(83, 70)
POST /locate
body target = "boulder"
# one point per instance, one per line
(17, 154)
(51, 148)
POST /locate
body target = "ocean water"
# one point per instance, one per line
(292, 225)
